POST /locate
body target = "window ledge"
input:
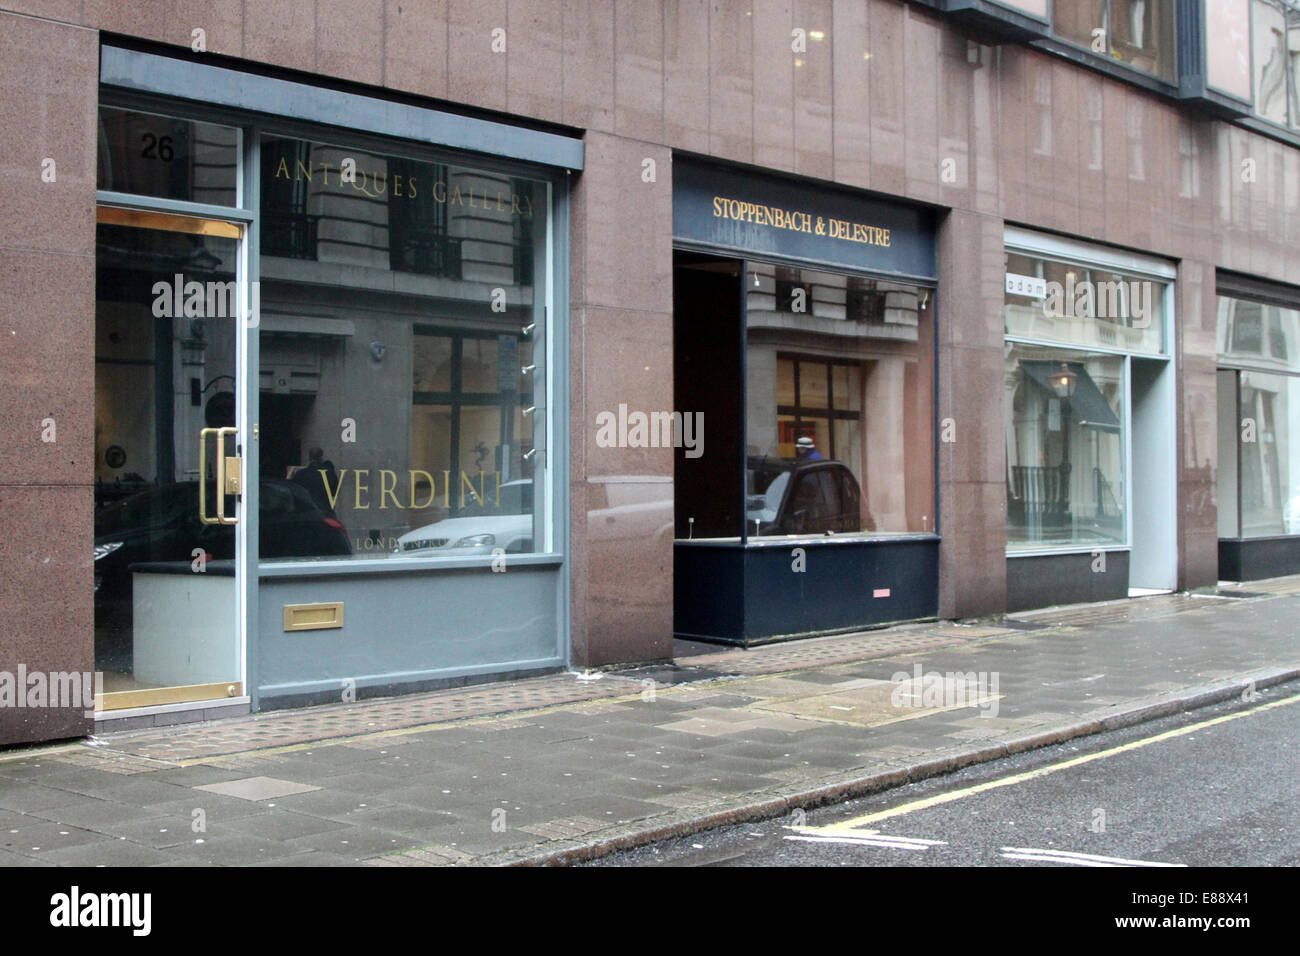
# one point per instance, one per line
(400, 565)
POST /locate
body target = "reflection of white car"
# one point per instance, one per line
(509, 527)
(635, 507)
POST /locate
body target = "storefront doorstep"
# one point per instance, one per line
(166, 715)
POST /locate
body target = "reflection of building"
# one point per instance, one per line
(449, 262)
(1258, 339)
(821, 348)
(378, 280)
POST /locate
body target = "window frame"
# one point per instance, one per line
(927, 286)
(552, 546)
(1143, 267)
(1238, 364)
(1083, 53)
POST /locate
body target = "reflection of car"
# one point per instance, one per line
(637, 507)
(481, 528)
(1291, 516)
(802, 497)
(162, 524)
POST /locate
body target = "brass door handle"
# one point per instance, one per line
(229, 475)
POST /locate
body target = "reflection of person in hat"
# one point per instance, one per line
(806, 450)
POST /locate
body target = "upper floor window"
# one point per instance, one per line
(1137, 32)
(1275, 43)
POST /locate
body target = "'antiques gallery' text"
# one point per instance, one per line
(402, 186)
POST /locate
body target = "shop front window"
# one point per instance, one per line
(1270, 462)
(1259, 419)
(403, 382)
(1077, 304)
(1065, 448)
(839, 419)
(1085, 343)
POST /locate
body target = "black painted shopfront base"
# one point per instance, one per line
(1045, 580)
(1252, 559)
(729, 593)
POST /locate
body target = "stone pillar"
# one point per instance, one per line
(49, 75)
(972, 467)
(621, 353)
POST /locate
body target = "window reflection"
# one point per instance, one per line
(1065, 447)
(165, 156)
(1082, 305)
(1272, 68)
(1137, 32)
(839, 423)
(398, 333)
(1259, 418)
(1270, 462)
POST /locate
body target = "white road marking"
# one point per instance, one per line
(1077, 859)
(866, 838)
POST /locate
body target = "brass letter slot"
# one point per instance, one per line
(313, 617)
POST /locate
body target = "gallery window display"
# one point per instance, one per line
(399, 369)
(373, 335)
(1065, 448)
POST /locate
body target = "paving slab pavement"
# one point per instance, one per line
(571, 766)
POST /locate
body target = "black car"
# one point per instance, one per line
(162, 524)
(803, 497)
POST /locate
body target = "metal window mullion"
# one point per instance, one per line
(249, 193)
(1127, 424)
(179, 207)
(544, 490)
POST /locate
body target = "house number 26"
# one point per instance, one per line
(157, 147)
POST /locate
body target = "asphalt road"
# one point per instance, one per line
(1216, 787)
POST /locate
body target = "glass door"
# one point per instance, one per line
(168, 483)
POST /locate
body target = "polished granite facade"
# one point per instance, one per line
(887, 95)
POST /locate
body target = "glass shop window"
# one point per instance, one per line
(1269, 478)
(1077, 304)
(403, 373)
(1065, 448)
(163, 156)
(839, 417)
(1259, 418)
